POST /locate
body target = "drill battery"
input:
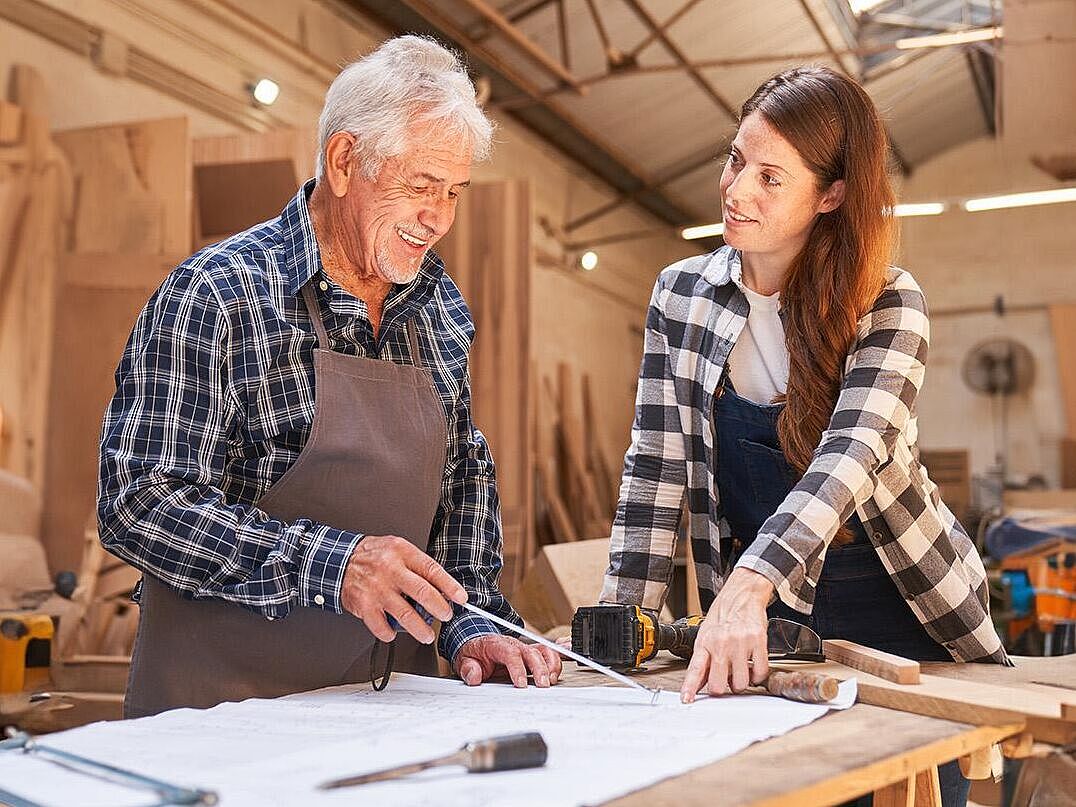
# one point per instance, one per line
(626, 636)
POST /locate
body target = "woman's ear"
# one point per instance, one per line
(833, 198)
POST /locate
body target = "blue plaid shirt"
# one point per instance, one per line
(214, 401)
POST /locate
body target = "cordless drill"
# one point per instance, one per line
(626, 636)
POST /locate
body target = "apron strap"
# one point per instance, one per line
(314, 311)
(412, 339)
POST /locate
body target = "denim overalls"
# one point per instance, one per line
(855, 599)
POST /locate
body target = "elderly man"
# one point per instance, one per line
(289, 456)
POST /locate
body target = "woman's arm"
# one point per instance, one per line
(876, 402)
(654, 481)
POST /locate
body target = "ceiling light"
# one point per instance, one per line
(942, 40)
(919, 209)
(702, 231)
(589, 260)
(1021, 199)
(265, 92)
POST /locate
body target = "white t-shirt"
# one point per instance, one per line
(758, 364)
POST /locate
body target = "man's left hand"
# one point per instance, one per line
(479, 659)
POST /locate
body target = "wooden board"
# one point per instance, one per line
(884, 665)
(488, 253)
(99, 295)
(1063, 324)
(964, 701)
(299, 146)
(841, 756)
(134, 187)
(33, 206)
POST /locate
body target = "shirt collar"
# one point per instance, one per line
(723, 266)
(303, 258)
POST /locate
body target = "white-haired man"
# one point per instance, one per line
(289, 456)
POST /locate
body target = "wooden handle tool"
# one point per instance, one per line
(805, 687)
(508, 753)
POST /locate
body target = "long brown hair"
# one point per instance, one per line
(833, 125)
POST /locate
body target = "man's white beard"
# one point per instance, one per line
(396, 274)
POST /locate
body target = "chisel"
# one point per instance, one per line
(508, 753)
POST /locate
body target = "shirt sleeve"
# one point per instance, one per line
(876, 401)
(466, 537)
(654, 480)
(164, 444)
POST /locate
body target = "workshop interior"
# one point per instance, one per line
(688, 386)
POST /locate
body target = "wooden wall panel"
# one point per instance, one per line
(35, 193)
(133, 187)
(98, 298)
(1063, 324)
(131, 224)
(488, 253)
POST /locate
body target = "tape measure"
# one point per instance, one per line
(25, 650)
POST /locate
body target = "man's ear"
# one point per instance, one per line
(832, 198)
(340, 165)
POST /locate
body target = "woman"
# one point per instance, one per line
(777, 396)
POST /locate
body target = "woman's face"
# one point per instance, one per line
(769, 197)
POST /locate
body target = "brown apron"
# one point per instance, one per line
(373, 463)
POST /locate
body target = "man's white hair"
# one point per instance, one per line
(407, 80)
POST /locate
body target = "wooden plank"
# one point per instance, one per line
(488, 253)
(32, 208)
(1057, 671)
(299, 145)
(899, 794)
(103, 295)
(928, 788)
(844, 755)
(1063, 325)
(26, 88)
(885, 665)
(10, 123)
(134, 187)
(955, 699)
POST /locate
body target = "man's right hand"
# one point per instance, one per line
(381, 572)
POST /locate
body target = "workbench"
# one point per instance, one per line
(845, 754)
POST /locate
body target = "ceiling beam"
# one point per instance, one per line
(551, 122)
(523, 43)
(981, 67)
(685, 167)
(902, 164)
(655, 28)
(665, 26)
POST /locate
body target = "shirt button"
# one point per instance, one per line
(323, 286)
(319, 599)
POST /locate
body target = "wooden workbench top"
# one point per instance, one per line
(833, 759)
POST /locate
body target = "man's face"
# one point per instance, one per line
(408, 206)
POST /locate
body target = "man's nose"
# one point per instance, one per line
(437, 215)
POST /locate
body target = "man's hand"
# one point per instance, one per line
(733, 634)
(381, 572)
(480, 658)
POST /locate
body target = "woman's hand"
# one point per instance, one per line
(733, 634)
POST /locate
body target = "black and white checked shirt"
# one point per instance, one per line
(866, 461)
(214, 401)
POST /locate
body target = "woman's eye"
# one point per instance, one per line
(771, 180)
